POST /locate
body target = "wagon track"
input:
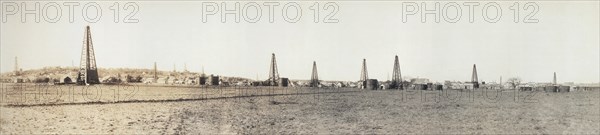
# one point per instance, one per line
(172, 100)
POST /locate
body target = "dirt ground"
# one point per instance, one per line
(189, 110)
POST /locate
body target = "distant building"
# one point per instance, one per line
(586, 88)
(17, 80)
(66, 80)
(419, 81)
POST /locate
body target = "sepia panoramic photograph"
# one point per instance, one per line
(299, 67)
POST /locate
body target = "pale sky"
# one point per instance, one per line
(565, 41)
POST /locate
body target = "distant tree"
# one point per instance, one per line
(55, 80)
(41, 80)
(138, 78)
(112, 80)
(129, 78)
(448, 84)
(514, 82)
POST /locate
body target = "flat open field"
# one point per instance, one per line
(267, 110)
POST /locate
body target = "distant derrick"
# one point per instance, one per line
(174, 68)
(474, 78)
(397, 75)
(88, 72)
(16, 67)
(314, 79)
(501, 82)
(155, 72)
(364, 73)
(554, 80)
(185, 70)
(273, 73)
(371, 84)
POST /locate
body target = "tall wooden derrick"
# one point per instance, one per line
(273, 73)
(364, 74)
(397, 75)
(88, 72)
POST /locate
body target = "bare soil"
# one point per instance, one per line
(192, 110)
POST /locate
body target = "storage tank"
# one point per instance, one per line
(551, 89)
(202, 80)
(372, 84)
(420, 86)
(438, 87)
(564, 89)
(214, 80)
(429, 86)
(283, 82)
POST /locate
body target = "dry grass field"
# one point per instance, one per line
(144, 109)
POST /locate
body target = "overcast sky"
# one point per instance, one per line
(566, 41)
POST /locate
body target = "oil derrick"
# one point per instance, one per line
(554, 81)
(363, 73)
(202, 78)
(174, 68)
(88, 72)
(16, 67)
(273, 73)
(155, 72)
(500, 82)
(474, 78)
(314, 79)
(203, 71)
(185, 68)
(397, 75)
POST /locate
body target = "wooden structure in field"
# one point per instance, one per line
(314, 79)
(88, 72)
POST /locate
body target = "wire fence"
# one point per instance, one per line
(23, 94)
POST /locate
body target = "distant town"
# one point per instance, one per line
(89, 74)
